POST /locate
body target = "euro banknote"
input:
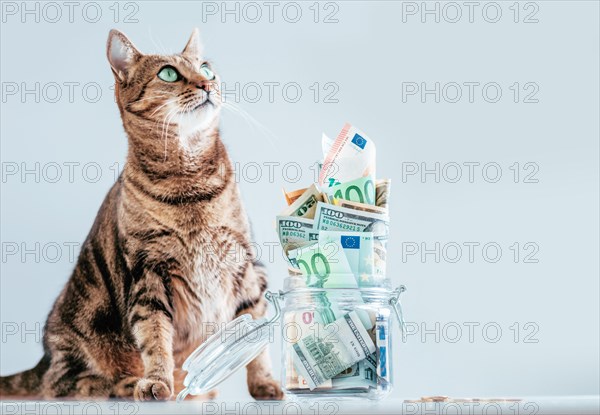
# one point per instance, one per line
(304, 206)
(357, 248)
(360, 190)
(351, 155)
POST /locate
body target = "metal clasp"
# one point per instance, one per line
(274, 298)
(397, 305)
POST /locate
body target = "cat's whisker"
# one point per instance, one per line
(157, 95)
(253, 122)
(170, 101)
(168, 119)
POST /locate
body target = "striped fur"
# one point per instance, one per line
(167, 256)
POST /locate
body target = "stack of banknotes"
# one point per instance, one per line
(334, 234)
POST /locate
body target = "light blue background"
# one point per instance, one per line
(369, 53)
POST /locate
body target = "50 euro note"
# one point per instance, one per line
(304, 205)
(333, 349)
(350, 156)
(332, 217)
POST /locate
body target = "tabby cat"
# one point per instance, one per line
(157, 264)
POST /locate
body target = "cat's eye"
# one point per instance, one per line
(207, 72)
(169, 74)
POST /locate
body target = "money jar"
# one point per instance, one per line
(337, 342)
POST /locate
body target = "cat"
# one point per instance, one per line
(157, 264)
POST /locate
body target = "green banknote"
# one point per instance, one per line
(358, 249)
(333, 349)
(361, 190)
(295, 232)
(338, 218)
(325, 266)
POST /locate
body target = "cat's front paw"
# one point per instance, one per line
(152, 389)
(265, 388)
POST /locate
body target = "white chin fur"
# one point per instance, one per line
(192, 123)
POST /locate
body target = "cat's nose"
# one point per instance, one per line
(205, 86)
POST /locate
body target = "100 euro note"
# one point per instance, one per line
(333, 349)
(332, 217)
(324, 265)
(360, 190)
(357, 247)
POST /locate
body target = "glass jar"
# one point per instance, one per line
(337, 342)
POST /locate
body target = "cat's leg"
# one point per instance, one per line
(69, 376)
(151, 319)
(261, 384)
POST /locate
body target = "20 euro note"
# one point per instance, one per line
(351, 155)
(336, 347)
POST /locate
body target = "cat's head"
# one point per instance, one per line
(161, 92)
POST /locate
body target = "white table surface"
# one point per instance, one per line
(528, 405)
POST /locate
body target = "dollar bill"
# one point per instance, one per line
(360, 190)
(295, 232)
(331, 217)
(303, 322)
(382, 192)
(351, 155)
(338, 346)
(304, 206)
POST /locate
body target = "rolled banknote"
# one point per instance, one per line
(382, 343)
(331, 217)
(325, 266)
(293, 195)
(351, 155)
(305, 205)
(357, 248)
(360, 190)
(382, 192)
(336, 347)
(298, 323)
(359, 206)
(295, 232)
(326, 144)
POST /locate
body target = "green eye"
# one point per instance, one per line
(169, 74)
(207, 72)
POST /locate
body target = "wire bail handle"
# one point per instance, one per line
(397, 305)
(273, 298)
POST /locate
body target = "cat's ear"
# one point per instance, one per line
(121, 54)
(193, 47)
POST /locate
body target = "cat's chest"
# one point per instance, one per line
(205, 297)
